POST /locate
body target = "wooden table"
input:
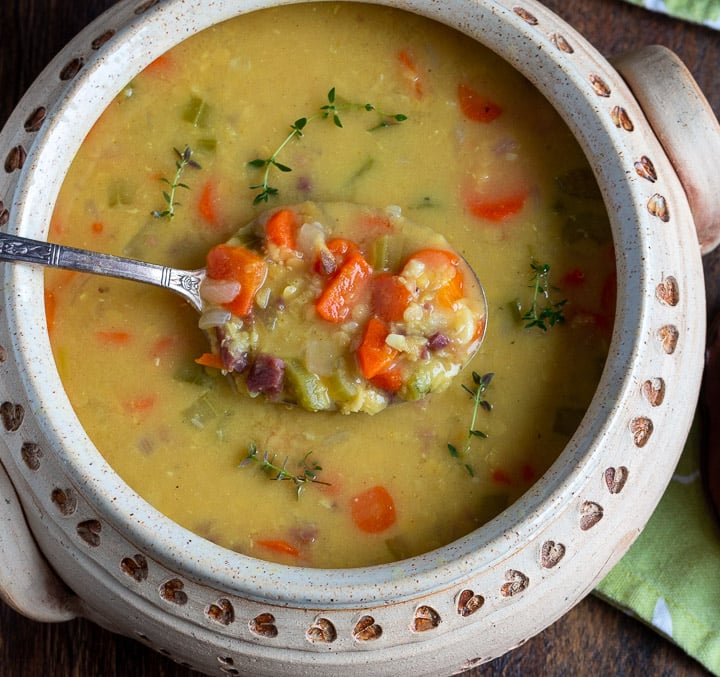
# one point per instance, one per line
(593, 638)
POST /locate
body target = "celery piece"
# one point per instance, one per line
(309, 390)
(592, 226)
(196, 112)
(431, 376)
(119, 193)
(341, 386)
(203, 410)
(363, 169)
(191, 372)
(386, 253)
(579, 182)
(209, 145)
(419, 385)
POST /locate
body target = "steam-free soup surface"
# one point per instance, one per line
(481, 158)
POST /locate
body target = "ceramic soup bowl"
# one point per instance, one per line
(77, 541)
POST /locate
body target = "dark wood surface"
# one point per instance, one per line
(592, 638)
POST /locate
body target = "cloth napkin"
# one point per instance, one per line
(670, 577)
(698, 11)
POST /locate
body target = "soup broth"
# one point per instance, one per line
(481, 158)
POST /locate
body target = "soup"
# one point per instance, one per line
(332, 103)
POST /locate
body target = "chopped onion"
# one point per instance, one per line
(214, 317)
(311, 238)
(219, 291)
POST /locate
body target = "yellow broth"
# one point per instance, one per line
(482, 158)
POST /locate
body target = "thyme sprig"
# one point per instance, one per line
(477, 392)
(183, 161)
(309, 469)
(543, 312)
(331, 110)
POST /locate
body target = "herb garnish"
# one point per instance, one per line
(549, 313)
(329, 110)
(310, 469)
(481, 383)
(184, 160)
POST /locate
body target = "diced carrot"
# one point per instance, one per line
(374, 355)
(279, 546)
(390, 297)
(212, 360)
(390, 380)
(341, 249)
(575, 277)
(97, 227)
(241, 265)
(56, 228)
(500, 477)
(162, 64)
(281, 228)
(475, 106)
(528, 472)
(207, 204)
(113, 338)
(138, 405)
(344, 289)
(495, 208)
(411, 72)
(373, 510)
(436, 259)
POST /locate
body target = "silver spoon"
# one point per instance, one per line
(183, 282)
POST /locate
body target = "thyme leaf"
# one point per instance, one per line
(480, 385)
(183, 161)
(543, 312)
(309, 469)
(331, 110)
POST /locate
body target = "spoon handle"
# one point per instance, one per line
(183, 282)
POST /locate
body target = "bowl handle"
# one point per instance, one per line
(27, 583)
(685, 125)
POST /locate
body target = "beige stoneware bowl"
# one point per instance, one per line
(76, 541)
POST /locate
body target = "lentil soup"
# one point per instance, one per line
(381, 108)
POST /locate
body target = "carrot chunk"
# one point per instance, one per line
(212, 360)
(279, 546)
(280, 229)
(113, 338)
(344, 289)
(241, 265)
(374, 355)
(390, 380)
(411, 72)
(435, 260)
(207, 204)
(476, 107)
(495, 208)
(373, 510)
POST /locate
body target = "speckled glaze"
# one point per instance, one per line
(76, 541)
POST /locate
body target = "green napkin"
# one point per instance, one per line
(670, 577)
(699, 11)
